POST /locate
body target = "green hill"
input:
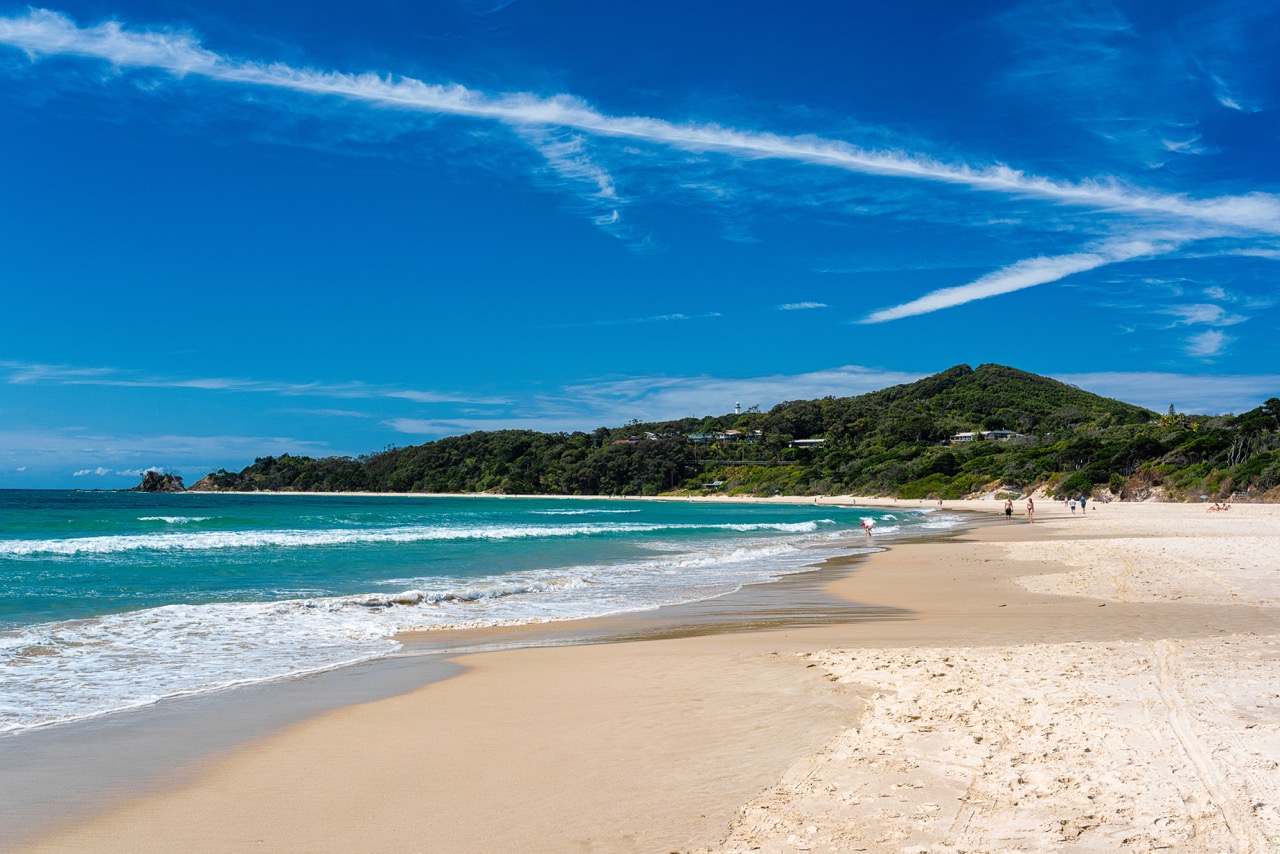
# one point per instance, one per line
(990, 397)
(1025, 431)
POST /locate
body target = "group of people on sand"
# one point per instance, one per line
(1216, 507)
(1031, 507)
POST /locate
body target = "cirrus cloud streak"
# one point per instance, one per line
(42, 32)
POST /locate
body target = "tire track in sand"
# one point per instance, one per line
(1248, 837)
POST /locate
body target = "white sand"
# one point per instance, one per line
(1164, 743)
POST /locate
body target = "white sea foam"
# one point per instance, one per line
(74, 669)
(206, 540)
(174, 520)
(580, 512)
(63, 671)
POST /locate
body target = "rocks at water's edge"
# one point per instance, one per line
(154, 481)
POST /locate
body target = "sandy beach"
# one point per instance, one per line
(1105, 682)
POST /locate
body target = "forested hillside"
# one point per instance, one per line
(907, 440)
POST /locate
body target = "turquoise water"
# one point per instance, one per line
(111, 600)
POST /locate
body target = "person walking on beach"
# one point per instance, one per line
(1083, 499)
(1031, 510)
(1072, 504)
(1008, 509)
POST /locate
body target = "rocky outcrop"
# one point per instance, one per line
(154, 481)
(204, 484)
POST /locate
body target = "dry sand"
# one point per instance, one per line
(1093, 684)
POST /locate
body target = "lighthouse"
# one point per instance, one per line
(737, 408)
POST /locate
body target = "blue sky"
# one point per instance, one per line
(235, 229)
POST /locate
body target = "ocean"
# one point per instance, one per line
(111, 600)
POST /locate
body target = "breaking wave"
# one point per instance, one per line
(207, 540)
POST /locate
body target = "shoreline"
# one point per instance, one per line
(852, 544)
(840, 500)
(705, 743)
(135, 752)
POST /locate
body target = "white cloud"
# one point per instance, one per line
(800, 306)
(1023, 274)
(567, 157)
(428, 427)
(653, 398)
(141, 472)
(41, 32)
(20, 469)
(1189, 315)
(1186, 146)
(332, 413)
(657, 318)
(100, 470)
(1230, 99)
(585, 406)
(33, 374)
(77, 444)
(1208, 343)
(21, 373)
(1207, 394)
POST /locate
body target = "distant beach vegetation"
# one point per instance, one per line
(963, 432)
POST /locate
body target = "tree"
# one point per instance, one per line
(1272, 407)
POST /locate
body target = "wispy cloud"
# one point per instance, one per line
(664, 397)
(567, 156)
(125, 450)
(333, 413)
(656, 318)
(1206, 344)
(583, 150)
(103, 471)
(79, 452)
(139, 472)
(1134, 88)
(1190, 315)
(20, 373)
(432, 427)
(41, 32)
(613, 401)
(659, 398)
(1016, 277)
(1200, 393)
(1187, 146)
